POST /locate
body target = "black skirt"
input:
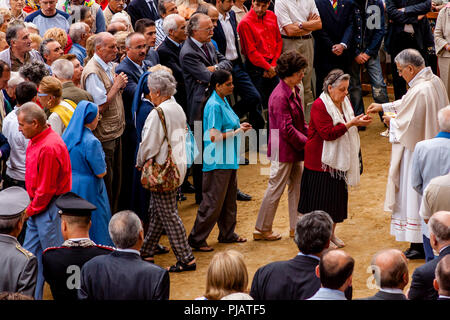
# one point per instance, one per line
(320, 191)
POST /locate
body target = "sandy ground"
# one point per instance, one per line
(365, 232)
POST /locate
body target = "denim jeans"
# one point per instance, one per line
(429, 254)
(379, 91)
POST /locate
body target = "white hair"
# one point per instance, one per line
(31, 25)
(410, 57)
(444, 119)
(170, 22)
(77, 30)
(124, 228)
(15, 79)
(62, 69)
(163, 81)
(121, 17)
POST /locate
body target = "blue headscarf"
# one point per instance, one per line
(84, 113)
(142, 88)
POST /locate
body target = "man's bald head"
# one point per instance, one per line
(390, 268)
(440, 227)
(335, 267)
(115, 27)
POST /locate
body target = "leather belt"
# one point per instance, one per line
(308, 36)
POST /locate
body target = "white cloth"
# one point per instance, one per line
(153, 142)
(15, 166)
(95, 86)
(55, 121)
(293, 11)
(342, 154)
(231, 51)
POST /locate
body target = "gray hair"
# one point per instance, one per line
(162, 7)
(438, 227)
(34, 71)
(334, 78)
(62, 69)
(32, 111)
(389, 272)
(15, 79)
(313, 232)
(194, 22)
(77, 30)
(124, 228)
(43, 50)
(11, 32)
(100, 38)
(444, 119)
(410, 57)
(163, 81)
(31, 25)
(170, 22)
(117, 17)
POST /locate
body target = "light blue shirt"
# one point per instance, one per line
(309, 255)
(59, 20)
(79, 52)
(95, 86)
(328, 294)
(223, 154)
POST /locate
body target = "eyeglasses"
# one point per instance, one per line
(139, 47)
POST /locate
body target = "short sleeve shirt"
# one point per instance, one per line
(293, 11)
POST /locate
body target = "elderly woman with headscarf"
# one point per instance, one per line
(155, 145)
(89, 167)
(331, 151)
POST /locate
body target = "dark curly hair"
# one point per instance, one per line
(289, 63)
(34, 71)
(313, 231)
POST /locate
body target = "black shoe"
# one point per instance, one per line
(413, 254)
(181, 197)
(187, 187)
(242, 196)
(246, 162)
(361, 128)
(160, 249)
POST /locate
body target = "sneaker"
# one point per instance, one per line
(385, 133)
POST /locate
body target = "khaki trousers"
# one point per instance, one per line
(444, 69)
(281, 173)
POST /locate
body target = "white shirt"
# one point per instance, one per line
(16, 162)
(392, 290)
(95, 86)
(293, 11)
(231, 52)
(55, 121)
(129, 250)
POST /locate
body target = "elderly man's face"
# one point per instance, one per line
(171, 8)
(150, 36)
(29, 130)
(179, 34)
(4, 79)
(17, 4)
(214, 15)
(108, 51)
(205, 30)
(48, 7)
(406, 72)
(22, 42)
(116, 5)
(55, 51)
(138, 49)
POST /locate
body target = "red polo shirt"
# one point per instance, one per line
(260, 39)
(47, 170)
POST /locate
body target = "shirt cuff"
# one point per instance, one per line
(345, 46)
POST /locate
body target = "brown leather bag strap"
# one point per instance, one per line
(163, 122)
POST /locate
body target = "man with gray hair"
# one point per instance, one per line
(165, 8)
(63, 70)
(295, 279)
(431, 158)
(19, 51)
(390, 269)
(410, 119)
(123, 275)
(422, 278)
(18, 267)
(50, 50)
(79, 33)
(442, 279)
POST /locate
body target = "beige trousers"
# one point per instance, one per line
(444, 70)
(281, 173)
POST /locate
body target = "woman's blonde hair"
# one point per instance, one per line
(52, 86)
(58, 34)
(227, 273)
(90, 48)
(36, 38)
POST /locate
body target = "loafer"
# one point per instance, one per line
(160, 249)
(187, 187)
(268, 236)
(243, 196)
(413, 254)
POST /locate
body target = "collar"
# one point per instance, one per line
(140, 68)
(413, 80)
(129, 251)
(41, 135)
(78, 242)
(255, 16)
(79, 46)
(197, 43)
(225, 17)
(392, 290)
(174, 42)
(443, 249)
(106, 66)
(7, 238)
(442, 296)
(308, 255)
(333, 291)
(443, 134)
(42, 14)
(287, 90)
(68, 84)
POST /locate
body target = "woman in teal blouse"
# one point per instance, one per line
(221, 135)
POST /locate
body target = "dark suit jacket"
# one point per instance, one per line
(169, 56)
(196, 76)
(56, 262)
(336, 28)
(152, 57)
(422, 279)
(380, 295)
(123, 276)
(219, 35)
(294, 279)
(138, 9)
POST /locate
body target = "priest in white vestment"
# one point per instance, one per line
(413, 118)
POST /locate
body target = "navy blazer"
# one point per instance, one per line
(169, 56)
(196, 76)
(219, 35)
(336, 28)
(123, 276)
(422, 279)
(138, 9)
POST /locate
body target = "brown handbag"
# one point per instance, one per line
(167, 175)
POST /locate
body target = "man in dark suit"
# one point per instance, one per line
(123, 275)
(422, 279)
(226, 37)
(408, 28)
(198, 60)
(139, 9)
(390, 269)
(442, 281)
(295, 279)
(148, 29)
(332, 42)
(62, 265)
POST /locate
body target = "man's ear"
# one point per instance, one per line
(436, 285)
(317, 272)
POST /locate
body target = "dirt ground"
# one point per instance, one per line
(365, 232)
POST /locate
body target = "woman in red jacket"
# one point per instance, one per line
(331, 152)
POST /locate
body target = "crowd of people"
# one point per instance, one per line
(107, 108)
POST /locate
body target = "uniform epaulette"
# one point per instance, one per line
(105, 247)
(50, 248)
(27, 253)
